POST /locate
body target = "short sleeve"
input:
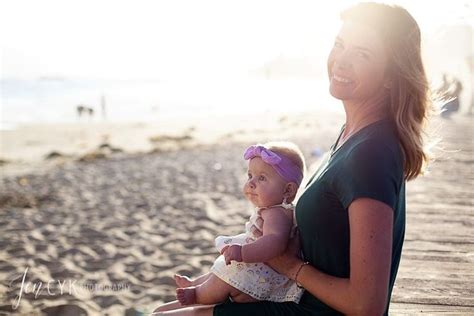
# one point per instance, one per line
(370, 170)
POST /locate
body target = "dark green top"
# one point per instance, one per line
(369, 164)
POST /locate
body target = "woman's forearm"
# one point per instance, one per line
(336, 292)
(264, 248)
(333, 291)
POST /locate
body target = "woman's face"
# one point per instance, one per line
(357, 64)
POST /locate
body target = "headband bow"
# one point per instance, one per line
(282, 165)
(267, 155)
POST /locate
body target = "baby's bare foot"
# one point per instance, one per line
(186, 296)
(183, 281)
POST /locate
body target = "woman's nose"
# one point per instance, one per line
(342, 60)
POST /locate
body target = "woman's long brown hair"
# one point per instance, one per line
(410, 101)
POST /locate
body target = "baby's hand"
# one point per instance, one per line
(232, 252)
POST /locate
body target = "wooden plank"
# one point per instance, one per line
(437, 270)
(436, 274)
(429, 291)
(437, 246)
(397, 308)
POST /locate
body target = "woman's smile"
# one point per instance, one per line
(341, 79)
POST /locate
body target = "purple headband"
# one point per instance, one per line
(282, 165)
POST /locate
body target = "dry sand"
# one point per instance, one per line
(132, 220)
(25, 148)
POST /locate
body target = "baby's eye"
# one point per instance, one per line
(249, 175)
(261, 178)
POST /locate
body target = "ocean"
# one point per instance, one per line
(55, 100)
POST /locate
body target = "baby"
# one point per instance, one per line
(275, 172)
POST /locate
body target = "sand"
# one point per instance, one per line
(31, 148)
(118, 226)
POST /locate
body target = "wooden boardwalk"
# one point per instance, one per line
(436, 274)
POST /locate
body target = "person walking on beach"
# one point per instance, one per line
(80, 109)
(275, 171)
(449, 92)
(351, 215)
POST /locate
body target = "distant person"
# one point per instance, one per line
(83, 110)
(452, 96)
(275, 172)
(470, 64)
(443, 90)
(79, 110)
(351, 215)
(103, 107)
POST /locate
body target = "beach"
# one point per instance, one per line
(103, 215)
(32, 147)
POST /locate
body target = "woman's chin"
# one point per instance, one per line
(340, 95)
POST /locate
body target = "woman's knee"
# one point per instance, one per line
(239, 297)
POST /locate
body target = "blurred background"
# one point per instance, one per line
(118, 117)
(146, 60)
(173, 63)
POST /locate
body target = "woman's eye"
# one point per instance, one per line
(363, 55)
(338, 45)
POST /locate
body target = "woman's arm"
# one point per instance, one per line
(366, 291)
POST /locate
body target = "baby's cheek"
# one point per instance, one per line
(244, 187)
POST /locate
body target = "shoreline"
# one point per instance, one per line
(31, 147)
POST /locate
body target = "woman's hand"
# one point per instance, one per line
(288, 262)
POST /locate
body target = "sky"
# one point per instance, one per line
(177, 39)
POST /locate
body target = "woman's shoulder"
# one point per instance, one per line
(374, 153)
(380, 140)
(374, 156)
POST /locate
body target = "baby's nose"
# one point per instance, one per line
(251, 183)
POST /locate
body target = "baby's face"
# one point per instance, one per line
(264, 186)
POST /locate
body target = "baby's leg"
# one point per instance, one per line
(212, 291)
(184, 281)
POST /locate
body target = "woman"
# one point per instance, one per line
(351, 216)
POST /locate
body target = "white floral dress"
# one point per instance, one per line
(255, 279)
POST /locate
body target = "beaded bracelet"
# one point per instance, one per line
(298, 272)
